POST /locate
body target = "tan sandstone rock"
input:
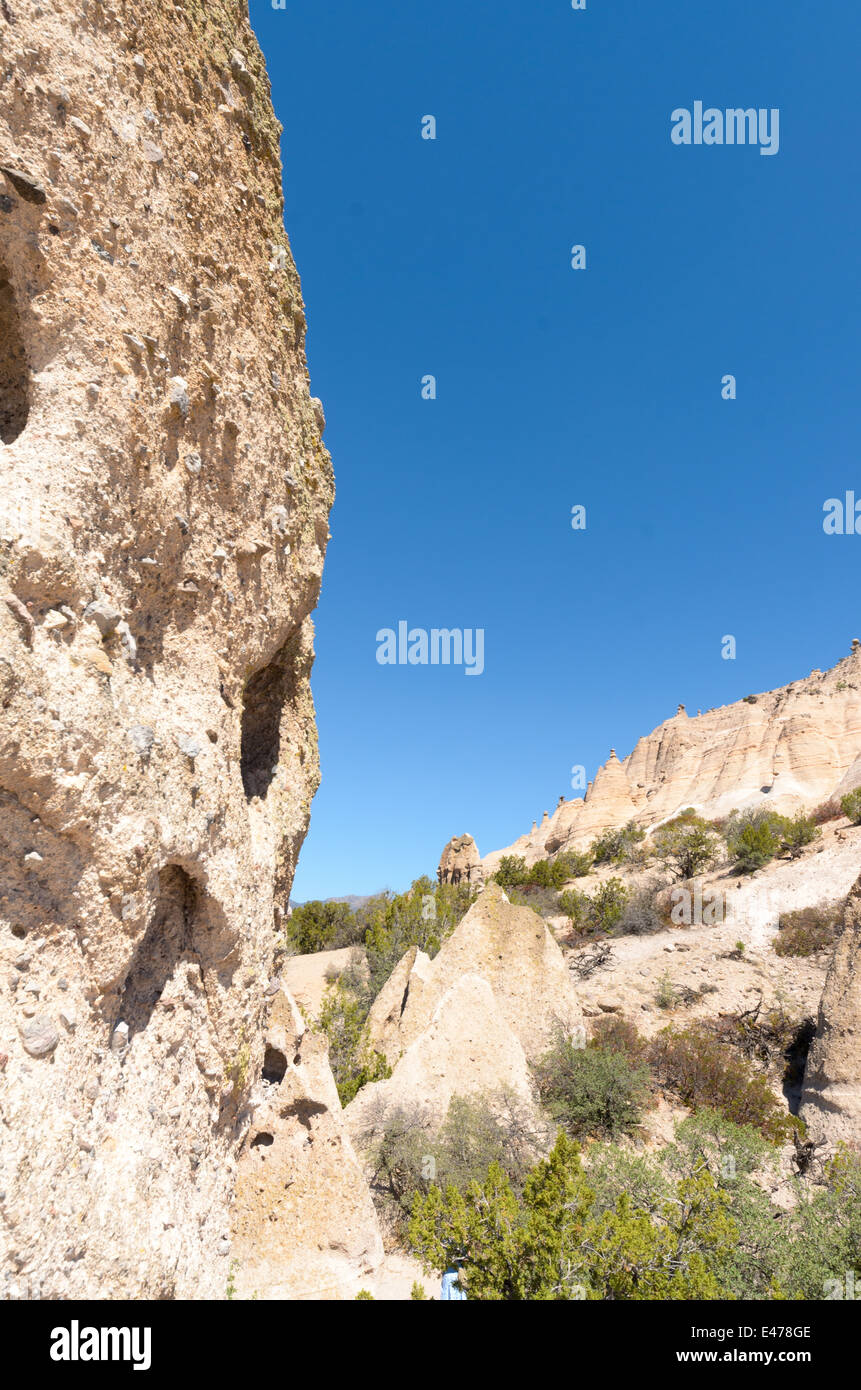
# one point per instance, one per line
(308, 977)
(467, 1048)
(831, 1099)
(304, 1225)
(461, 862)
(157, 749)
(789, 748)
(512, 950)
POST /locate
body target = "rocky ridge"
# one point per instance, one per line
(790, 748)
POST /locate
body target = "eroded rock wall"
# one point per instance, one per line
(831, 1099)
(790, 748)
(164, 499)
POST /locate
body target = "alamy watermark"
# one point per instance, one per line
(708, 125)
(437, 646)
(76, 1343)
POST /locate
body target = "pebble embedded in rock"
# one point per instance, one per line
(141, 738)
(189, 746)
(39, 1036)
(24, 184)
(104, 615)
(177, 395)
(120, 1037)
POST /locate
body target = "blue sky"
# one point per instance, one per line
(557, 387)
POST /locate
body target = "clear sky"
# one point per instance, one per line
(556, 387)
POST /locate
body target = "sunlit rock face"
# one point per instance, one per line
(164, 499)
(791, 748)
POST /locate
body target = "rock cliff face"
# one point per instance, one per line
(164, 495)
(831, 1100)
(791, 748)
(470, 1020)
(461, 862)
(303, 1220)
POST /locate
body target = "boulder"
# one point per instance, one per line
(461, 862)
(467, 1048)
(512, 950)
(303, 1223)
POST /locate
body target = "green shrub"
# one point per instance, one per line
(407, 1158)
(850, 805)
(807, 930)
(574, 864)
(512, 871)
(641, 913)
(424, 916)
(318, 926)
(346, 1004)
(753, 838)
(665, 994)
(617, 846)
(798, 833)
(544, 901)
(688, 845)
(694, 1064)
(554, 1242)
(592, 1090)
(613, 910)
(615, 1033)
(691, 1221)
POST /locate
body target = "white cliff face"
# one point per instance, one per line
(791, 748)
(164, 495)
(831, 1100)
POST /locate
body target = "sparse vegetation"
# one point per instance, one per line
(513, 871)
(688, 845)
(850, 805)
(693, 1221)
(319, 926)
(618, 846)
(754, 838)
(592, 1091)
(798, 833)
(693, 1063)
(599, 914)
(407, 1159)
(808, 930)
(346, 1005)
(665, 995)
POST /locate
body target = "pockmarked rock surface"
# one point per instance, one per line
(831, 1099)
(461, 862)
(509, 947)
(304, 1225)
(790, 748)
(164, 500)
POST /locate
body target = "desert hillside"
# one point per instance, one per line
(789, 748)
